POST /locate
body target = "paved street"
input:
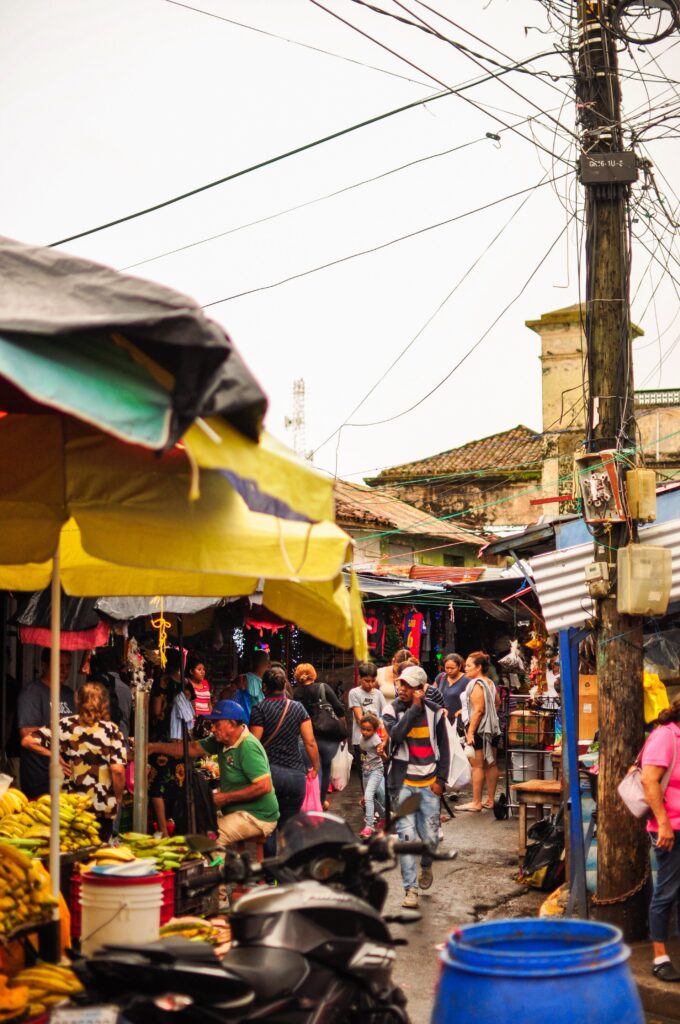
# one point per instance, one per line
(479, 884)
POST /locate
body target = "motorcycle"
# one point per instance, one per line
(312, 948)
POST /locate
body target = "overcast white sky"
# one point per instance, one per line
(110, 106)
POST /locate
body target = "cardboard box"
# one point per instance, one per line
(526, 729)
(587, 707)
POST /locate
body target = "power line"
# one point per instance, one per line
(290, 153)
(429, 320)
(297, 42)
(434, 78)
(375, 248)
(318, 199)
(404, 412)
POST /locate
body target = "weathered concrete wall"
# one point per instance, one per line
(483, 503)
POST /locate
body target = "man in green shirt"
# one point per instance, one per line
(247, 802)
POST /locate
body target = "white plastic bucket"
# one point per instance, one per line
(119, 910)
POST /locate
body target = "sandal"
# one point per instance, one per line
(469, 807)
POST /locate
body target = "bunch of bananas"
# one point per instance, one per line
(108, 855)
(194, 928)
(45, 984)
(25, 895)
(168, 853)
(29, 829)
(12, 801)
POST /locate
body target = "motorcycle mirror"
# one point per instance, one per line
(403, 917)
(200, 844)
(408, 806)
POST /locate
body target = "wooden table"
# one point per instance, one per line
(535, 793)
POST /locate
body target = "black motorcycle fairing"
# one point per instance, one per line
(308, 917)
(158, 968)
(271, 973)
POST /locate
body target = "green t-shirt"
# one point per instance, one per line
(240, 766)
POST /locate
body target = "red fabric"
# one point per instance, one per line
(68, 641)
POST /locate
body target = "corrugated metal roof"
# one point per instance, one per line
(359, 505)
(560, 582)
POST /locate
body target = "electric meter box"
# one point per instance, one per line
(641, 492)
(644, 580)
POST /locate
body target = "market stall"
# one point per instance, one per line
(107, 487)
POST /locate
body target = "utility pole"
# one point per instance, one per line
(621, 846)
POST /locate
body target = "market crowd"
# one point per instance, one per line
(263, 747)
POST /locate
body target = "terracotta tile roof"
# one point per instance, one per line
(368, 506)
(519, 449)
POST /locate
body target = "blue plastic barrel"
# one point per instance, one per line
(536, 971)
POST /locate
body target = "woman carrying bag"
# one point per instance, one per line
(660, 760)
(328, 720)
(280, 724)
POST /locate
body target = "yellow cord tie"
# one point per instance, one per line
(163, 626)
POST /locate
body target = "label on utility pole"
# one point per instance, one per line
(600, 168)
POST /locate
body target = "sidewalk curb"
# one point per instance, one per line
(659, 999)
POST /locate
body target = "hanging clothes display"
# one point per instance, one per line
(414, 628)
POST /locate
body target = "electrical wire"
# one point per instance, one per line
(296, 42)
(468, 353)
(466, 99)
(375, 248)
(432, 316)
(318, 199)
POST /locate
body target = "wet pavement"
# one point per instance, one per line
(478, 885)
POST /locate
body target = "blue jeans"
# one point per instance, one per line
(289, 786)
(424, 825)
(327, 751)
(666, 890)
(374, 793)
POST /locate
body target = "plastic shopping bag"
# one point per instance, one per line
(341, 766)
(312, 800)
(460, 773)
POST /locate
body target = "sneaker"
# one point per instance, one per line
(425, 877)
(366, 832)
(410, 899)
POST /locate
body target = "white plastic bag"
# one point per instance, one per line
(460, 773)
(341, 766)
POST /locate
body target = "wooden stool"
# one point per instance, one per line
(535, 793)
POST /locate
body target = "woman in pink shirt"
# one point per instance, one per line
(661, 780)
(202, 699)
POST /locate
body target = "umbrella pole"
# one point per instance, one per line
(55, 693)
(140, 813)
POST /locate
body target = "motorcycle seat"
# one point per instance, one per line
(270, 972)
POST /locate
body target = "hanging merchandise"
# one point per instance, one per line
(655, 696)
(661, 657)
(376, 623)
(514, 659)
(414, 628)
(162, 625)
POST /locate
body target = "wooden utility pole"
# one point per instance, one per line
(621, 845)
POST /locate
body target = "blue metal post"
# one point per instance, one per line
(569, 641)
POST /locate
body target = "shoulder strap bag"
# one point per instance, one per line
(631, 790)
(271, 737)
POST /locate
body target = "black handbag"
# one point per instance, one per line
(325, 722)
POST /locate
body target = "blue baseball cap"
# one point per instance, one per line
(226, 709)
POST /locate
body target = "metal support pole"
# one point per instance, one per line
(55, 693)
(578, 900)
(140, 805)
